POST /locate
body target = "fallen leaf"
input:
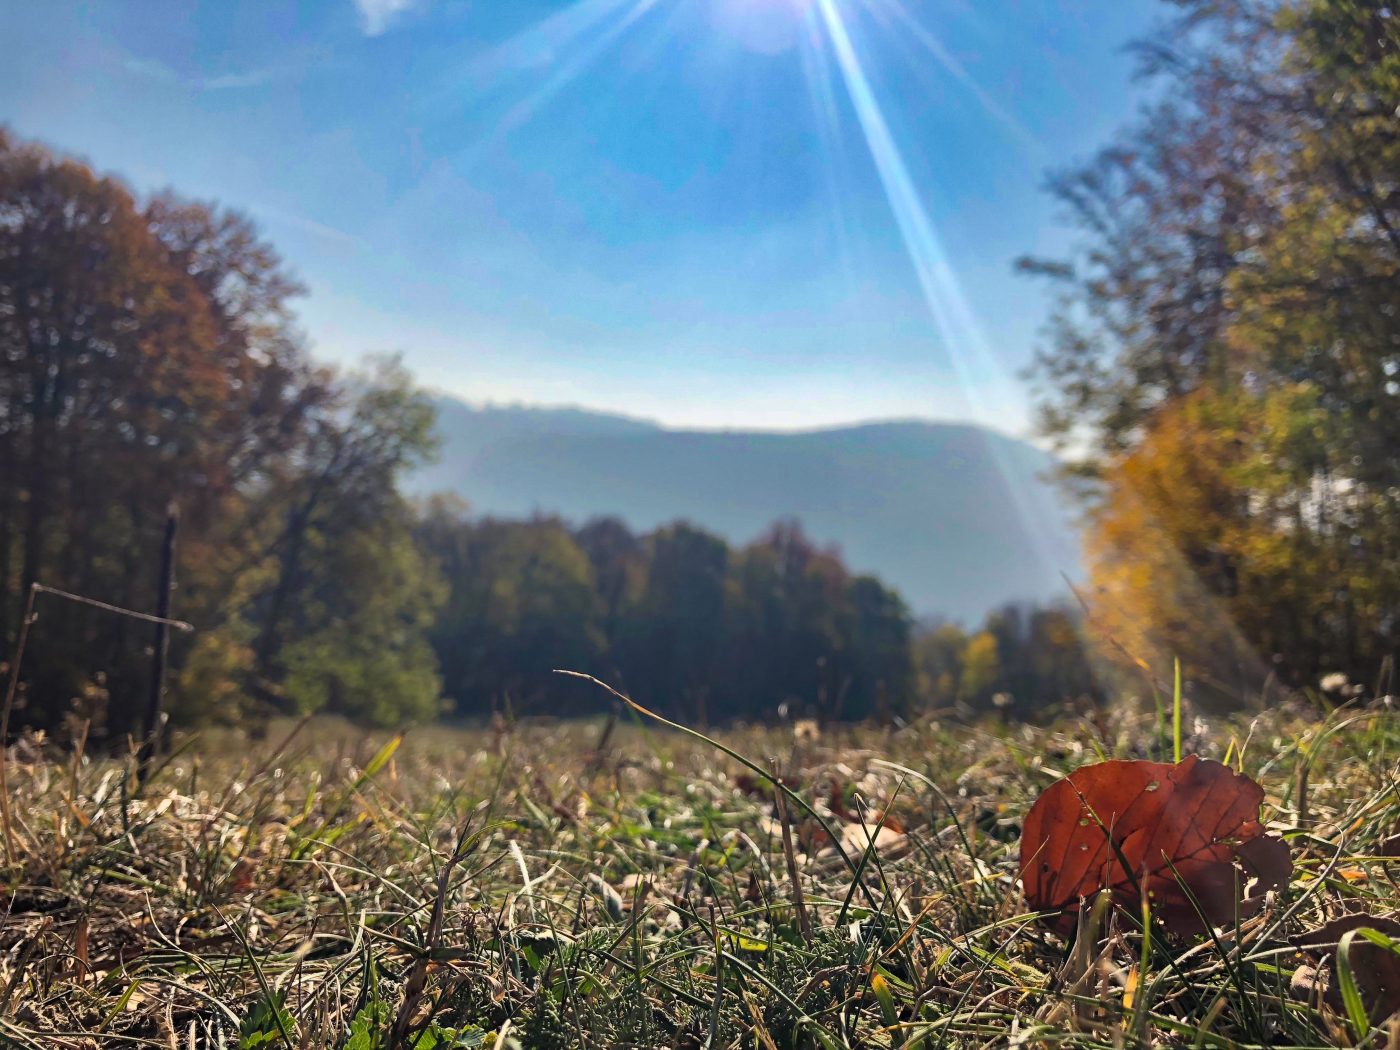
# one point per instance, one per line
(1153, 827)
(1376, 969)
(243, 877)
(836, 802)
(857, 838)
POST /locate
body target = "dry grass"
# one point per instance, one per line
(512, 888)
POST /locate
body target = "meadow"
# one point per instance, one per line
(587, 884)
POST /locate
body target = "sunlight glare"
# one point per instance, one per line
(552, 54)
(960, 333)
(920, 35)
(768, 27)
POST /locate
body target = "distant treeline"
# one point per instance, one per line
(705, 632)
(149, 359)
(675, 617)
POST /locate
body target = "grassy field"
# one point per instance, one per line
(519, 887)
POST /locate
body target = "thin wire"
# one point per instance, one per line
(179, 625)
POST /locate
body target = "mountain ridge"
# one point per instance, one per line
(959, 518)
(574, 411)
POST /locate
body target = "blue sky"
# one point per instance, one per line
(748, 213)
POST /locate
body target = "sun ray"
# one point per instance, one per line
(539, 45)
(817, 73)
(959, 330)
(551, 55)
(928, 41)
(577, 63)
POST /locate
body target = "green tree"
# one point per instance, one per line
(521, 602)
(619, 561)
(373, 661)
(880, 664)
(674, 636)
(344, 618)
(785, 613)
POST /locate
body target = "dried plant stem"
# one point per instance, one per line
(10, 690)
(36, 589)
(804, 922)
(417, 981)
(1300, 788)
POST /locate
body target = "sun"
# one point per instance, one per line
(769, 27)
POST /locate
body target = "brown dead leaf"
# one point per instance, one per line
(1154, 828)
(857, 838)
(243, 878)
(1377, 970)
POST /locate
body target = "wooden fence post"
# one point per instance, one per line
(151, 728)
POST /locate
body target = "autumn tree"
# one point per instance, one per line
(1027, 661)
(982, 674)
(937, 653)
(146, 356)
(1042, 658)
(149, 356)
(1228, 345)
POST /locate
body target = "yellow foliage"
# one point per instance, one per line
(1162, 546)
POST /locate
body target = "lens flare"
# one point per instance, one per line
(963, 339)
(769, 27)
(549, 56)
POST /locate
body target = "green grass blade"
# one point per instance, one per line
(1176, 712)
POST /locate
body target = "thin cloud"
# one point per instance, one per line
(376, 16)
(152, 69)
(283, 217)
(233, 81)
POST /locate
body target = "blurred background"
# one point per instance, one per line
(843, 359)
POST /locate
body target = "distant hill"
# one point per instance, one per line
(958, 518)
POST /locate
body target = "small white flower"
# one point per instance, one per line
(1333, 683)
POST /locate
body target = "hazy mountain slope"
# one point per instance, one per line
(956, 517)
